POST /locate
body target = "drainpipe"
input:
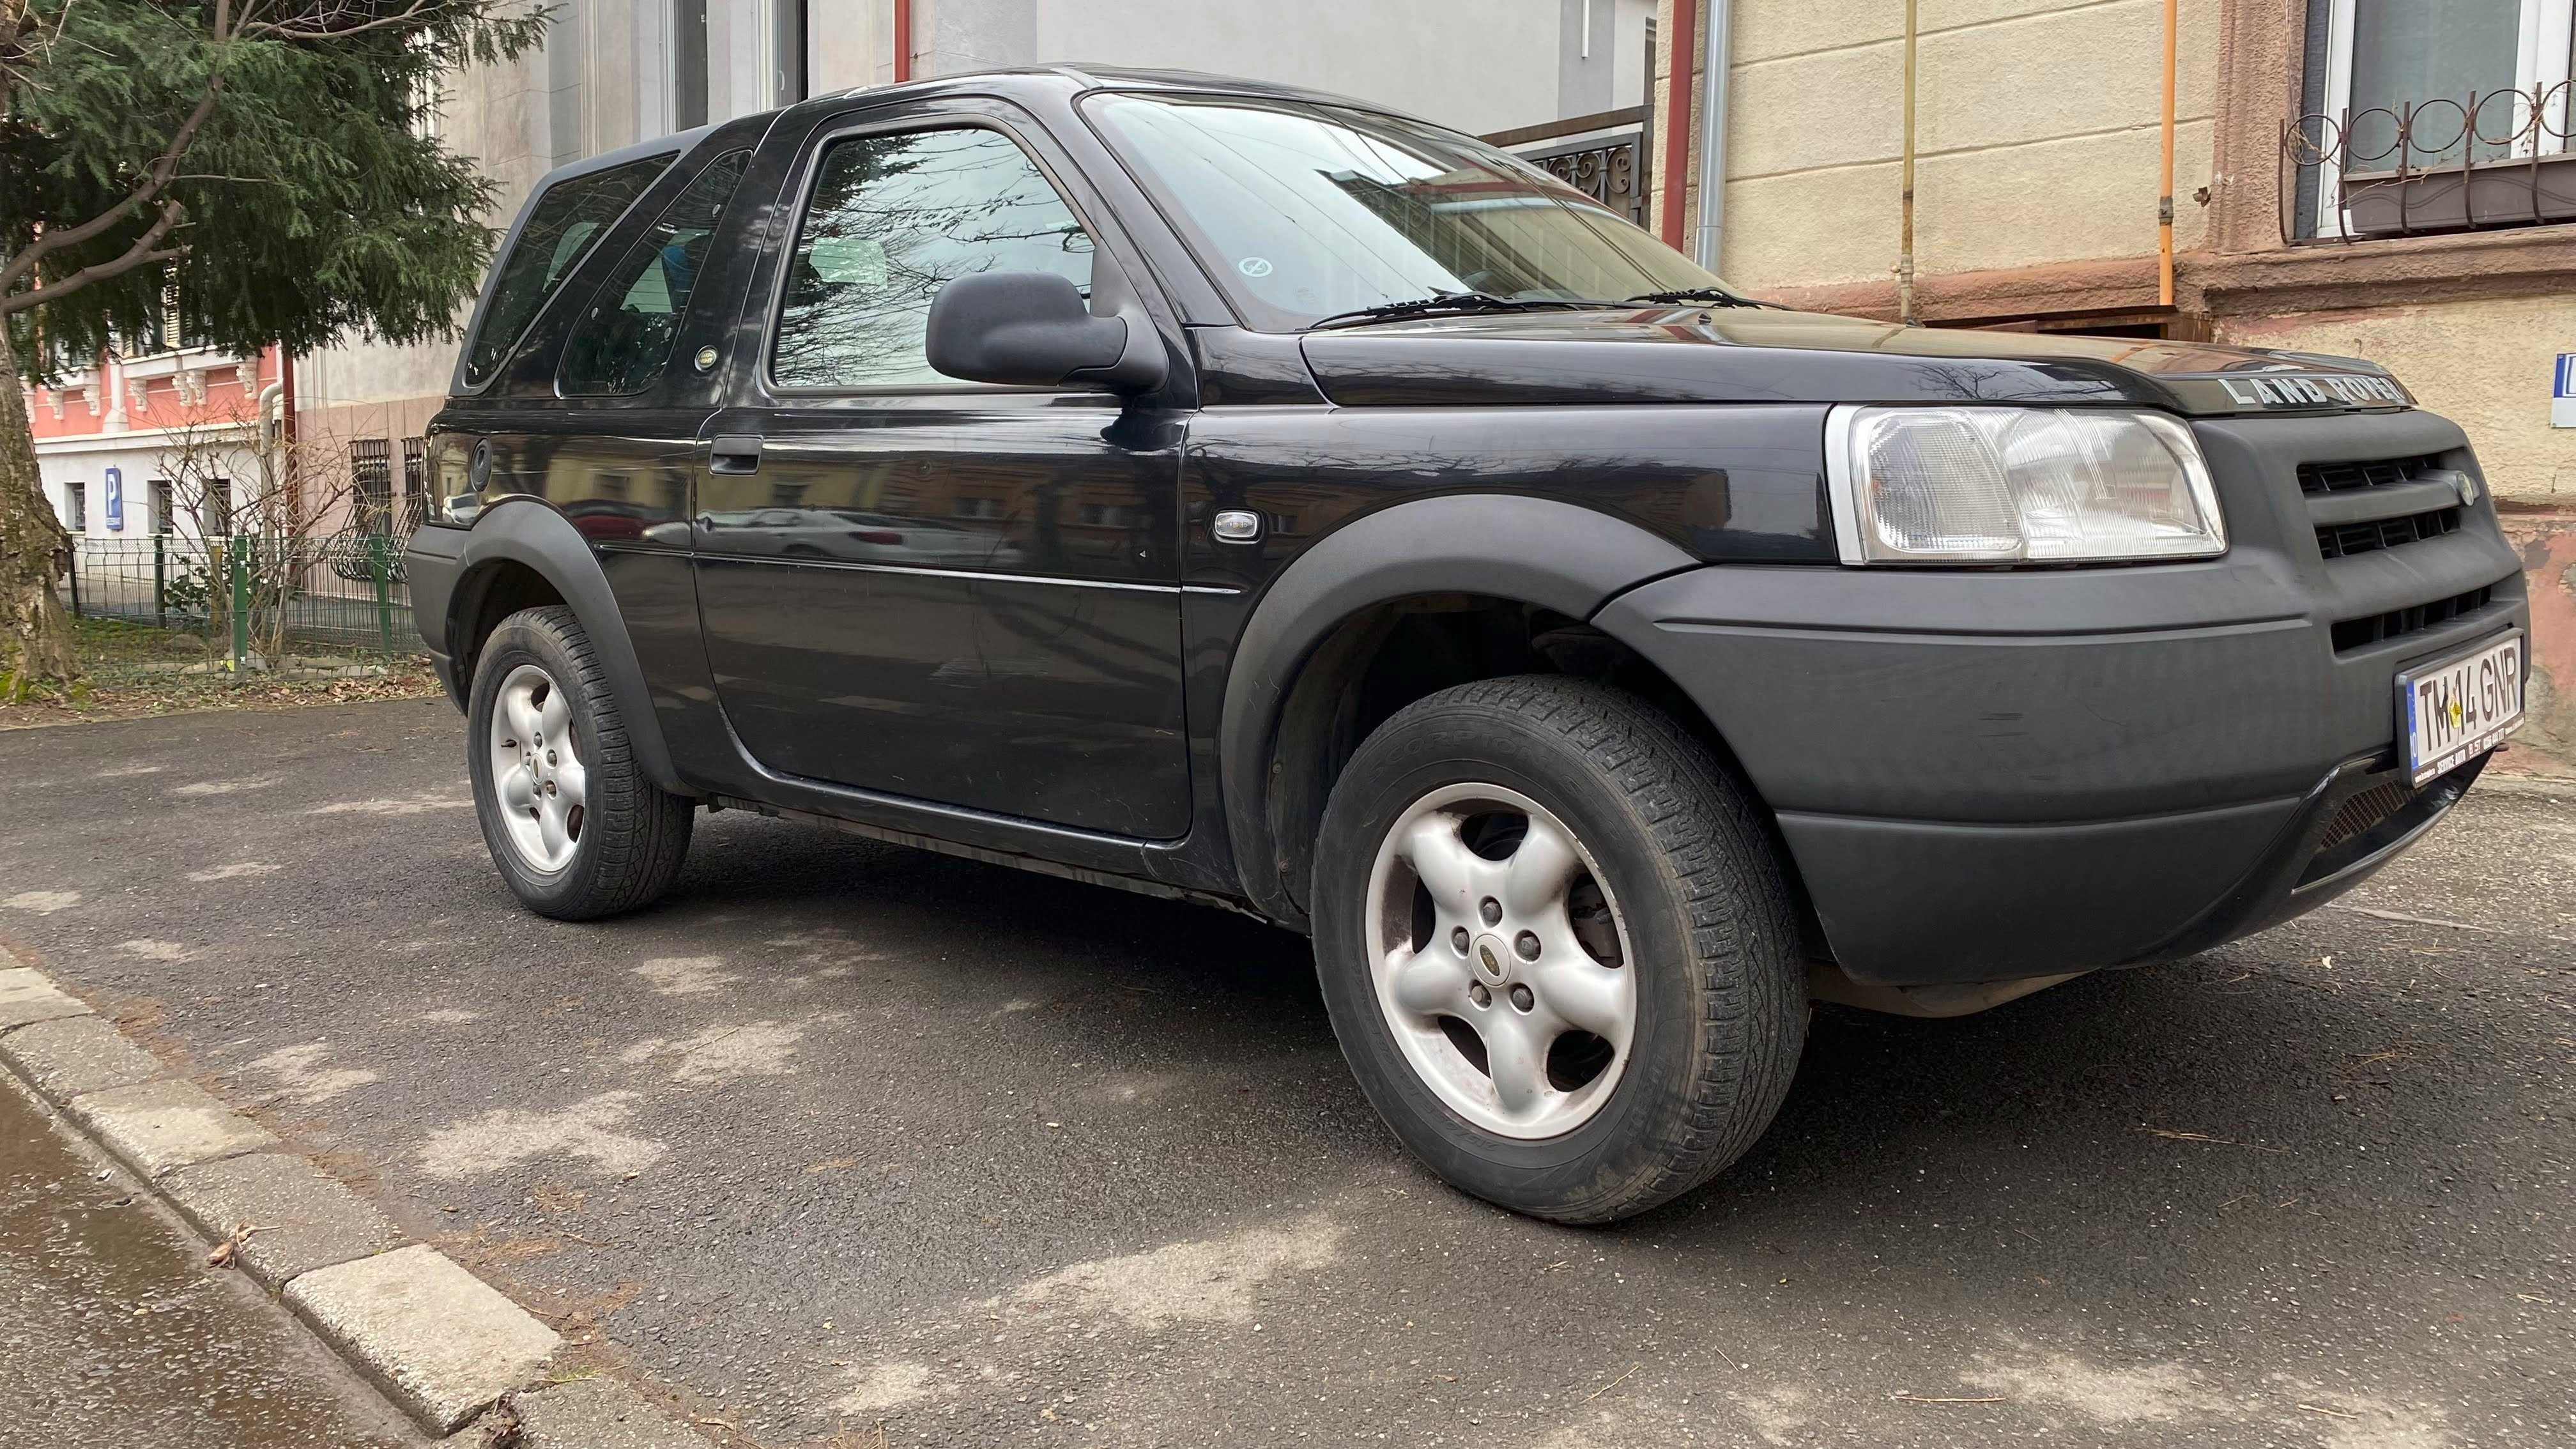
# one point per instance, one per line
(2164, 202)
(1677, 112)
(1715, 32)
(902, 40)
(1905, 184)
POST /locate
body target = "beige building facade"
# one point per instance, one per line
(2325, 198)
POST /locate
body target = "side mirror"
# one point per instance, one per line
(1033, 329)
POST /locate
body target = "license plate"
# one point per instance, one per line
(2453, 711)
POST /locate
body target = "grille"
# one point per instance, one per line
(2397, 623)
(2365, 811)
(2344, 540)
(2377, 473)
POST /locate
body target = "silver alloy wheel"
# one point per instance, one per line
(1505, 974)
(538, 782)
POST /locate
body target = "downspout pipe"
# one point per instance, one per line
(1677, 128)
(1716, 35)
(1905, 186)
(902, 40)
(2164, 202)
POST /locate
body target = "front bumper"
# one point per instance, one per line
(1987, 775)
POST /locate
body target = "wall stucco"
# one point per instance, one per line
(2036, 134)
(2485, 364)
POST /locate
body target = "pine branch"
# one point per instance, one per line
(145, 251)
(163, 168)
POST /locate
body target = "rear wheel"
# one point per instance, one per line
(1557, 946)
(575, 827)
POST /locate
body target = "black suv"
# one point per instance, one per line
(1246, 495)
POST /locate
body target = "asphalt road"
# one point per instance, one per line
(847, 1140)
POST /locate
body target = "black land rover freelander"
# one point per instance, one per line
(1242, 494)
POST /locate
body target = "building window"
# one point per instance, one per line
(688, 64)
(215, 508)
(2417, 111)
(418, 505)
(163, 510)
(371, 483)
(76, 507)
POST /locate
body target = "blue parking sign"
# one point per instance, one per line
(116, 500)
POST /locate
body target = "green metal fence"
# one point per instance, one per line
(251, 596)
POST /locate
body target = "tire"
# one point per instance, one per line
(618, 840)
(1698, 921)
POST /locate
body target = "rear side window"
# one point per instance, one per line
(622, 343)
(566, 221)
(893, 218)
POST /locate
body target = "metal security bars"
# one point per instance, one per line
(2483, 159)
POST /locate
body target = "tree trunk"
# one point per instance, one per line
(35, 637)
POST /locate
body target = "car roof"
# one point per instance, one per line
(1077, 78)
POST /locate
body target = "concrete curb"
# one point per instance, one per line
(440, 1342)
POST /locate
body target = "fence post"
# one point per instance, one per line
(241, 601)
(160, 580)
(72, 572)
(380, 567)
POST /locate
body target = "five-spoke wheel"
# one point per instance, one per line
(1500, 960)
(538, 781)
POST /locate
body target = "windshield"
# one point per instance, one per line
(1304, 211)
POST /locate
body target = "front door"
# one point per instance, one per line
(955, 593)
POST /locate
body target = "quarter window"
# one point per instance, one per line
(560, 230)
(892, 219)
(622, 343)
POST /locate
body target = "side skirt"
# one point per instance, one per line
(991, 857)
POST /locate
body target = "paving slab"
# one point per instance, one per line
(71, 1056)
(155, 1127)
(307, 1219)
(437, 1339)
(29, 995)
(592, 1413)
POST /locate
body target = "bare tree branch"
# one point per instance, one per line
(317, 24)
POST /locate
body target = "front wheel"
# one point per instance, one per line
(1557, 947)
(575, 826)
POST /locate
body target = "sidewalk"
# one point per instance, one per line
(114, 1331)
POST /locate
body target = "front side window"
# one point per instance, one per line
(892, 219)
(560, 230)
(1301, 211)
(622, 343)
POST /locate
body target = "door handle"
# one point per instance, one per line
(734, 453)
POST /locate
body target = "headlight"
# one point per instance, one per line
(2017, 485)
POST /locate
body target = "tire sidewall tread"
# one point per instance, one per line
(1721, 991)
(635, 835)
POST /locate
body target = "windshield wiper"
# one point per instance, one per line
(1706, 296)
(1460, 302)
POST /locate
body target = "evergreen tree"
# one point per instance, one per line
(266, 156)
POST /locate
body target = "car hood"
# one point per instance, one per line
(1699, 355)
